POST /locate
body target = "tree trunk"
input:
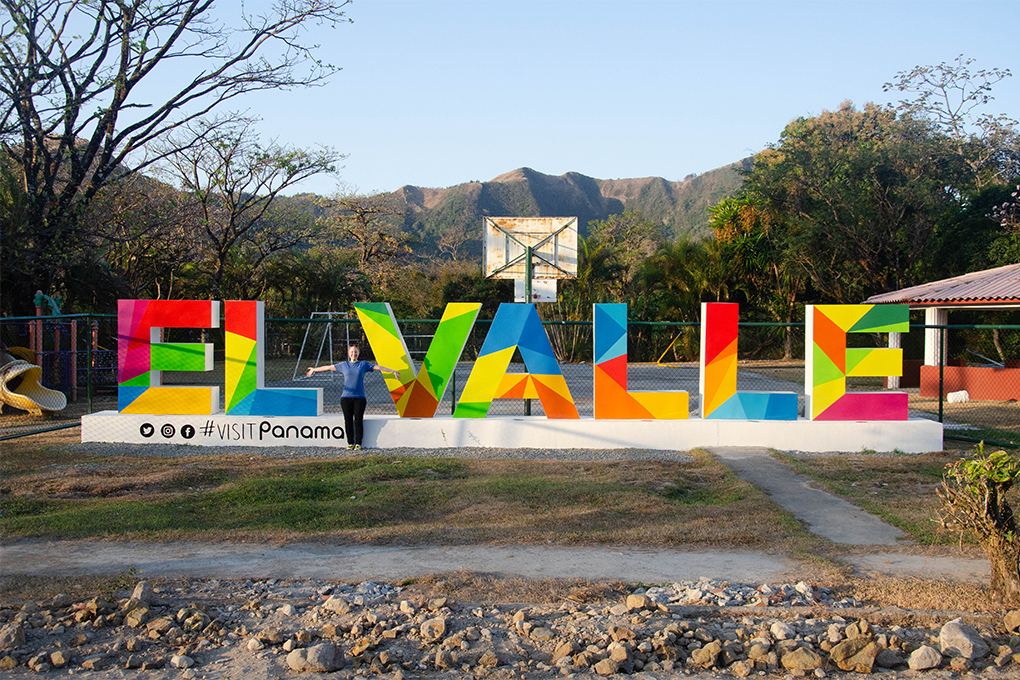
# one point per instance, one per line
(1004, 558)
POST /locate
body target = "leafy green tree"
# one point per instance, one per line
(861, 194)
(14, 211)
(970, 235)
(1006, 248)
(318, 279)
(953, 98)
(676, 279)
(630, 236)
(147, 243)
(77, 110)
(752, 239)
(600, 278)
(471, 286)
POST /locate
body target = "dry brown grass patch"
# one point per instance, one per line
(697, 504)
(900, 489)
(472, 587)
(914, 593)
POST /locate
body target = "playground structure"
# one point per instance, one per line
(20, 387)
(324, 341)
(320, 346)
(41, 363)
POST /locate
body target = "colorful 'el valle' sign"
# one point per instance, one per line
(516, 327)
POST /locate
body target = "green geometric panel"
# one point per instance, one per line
(445, 349)
(178, 356)
(138, 381)
(824, 368)
(884, 319)
(378, 313)
(248, 382)
(855, 356)
(472, 410)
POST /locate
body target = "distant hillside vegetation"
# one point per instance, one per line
(680, 207)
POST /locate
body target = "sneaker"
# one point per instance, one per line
(357, 447)
(350, 446)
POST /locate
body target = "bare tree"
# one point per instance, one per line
(452, 241)
(360, 224)
(234, 182)
(951, 96)
(146, 229)
(73, 114)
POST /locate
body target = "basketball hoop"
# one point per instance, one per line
(532, 250)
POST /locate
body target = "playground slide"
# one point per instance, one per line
(20, 388)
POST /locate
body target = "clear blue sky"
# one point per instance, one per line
(435, 93)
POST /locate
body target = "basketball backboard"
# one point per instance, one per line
(542, 290)
(553, 243)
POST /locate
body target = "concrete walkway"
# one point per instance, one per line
(360, 562)
(345, 562)
(823, 514)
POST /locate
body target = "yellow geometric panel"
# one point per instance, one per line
(874, 362)
(183, 401)
(844, 316)
(481, 384)
(665, 405)
(240, 349)
(556, 383)
(389, 350)
(826, 394)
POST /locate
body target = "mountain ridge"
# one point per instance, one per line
(680, 208)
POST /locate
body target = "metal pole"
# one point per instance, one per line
(527, 299)
(93, 344)
(74, 360)
(453, 391)
(36, 336)
(527, 274)
(942, 369)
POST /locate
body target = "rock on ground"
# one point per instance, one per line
(233, 630)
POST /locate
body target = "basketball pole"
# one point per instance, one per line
(528, 270)
(527, 297)
(552, 233)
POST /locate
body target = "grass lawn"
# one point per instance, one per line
(49, 490)
(899, 488)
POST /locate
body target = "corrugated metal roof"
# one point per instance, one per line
(999, 286)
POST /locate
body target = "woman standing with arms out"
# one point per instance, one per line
(352, 399)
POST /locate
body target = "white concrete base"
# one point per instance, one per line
(384, 432)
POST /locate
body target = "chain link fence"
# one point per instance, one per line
(78, 357)
(971, 385)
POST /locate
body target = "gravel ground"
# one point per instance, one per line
(235, 630)
(183, 451)
(832, 454)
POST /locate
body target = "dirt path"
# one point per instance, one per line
(633, 565)
(240, 560)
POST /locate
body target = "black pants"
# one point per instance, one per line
(354, 418)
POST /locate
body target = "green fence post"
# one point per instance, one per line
(942, 369)
(453, 392)
(93, 326)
